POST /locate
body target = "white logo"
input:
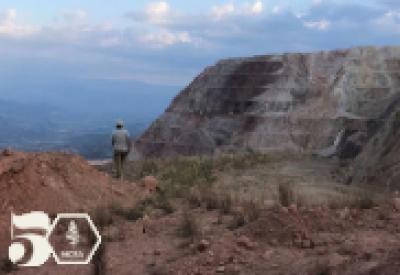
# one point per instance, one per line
(41, 239)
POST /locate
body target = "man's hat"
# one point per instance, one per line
(120, 123)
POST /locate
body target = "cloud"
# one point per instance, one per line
(110, 41)
(158, 12)
(317, 2)
(321, 25)
(10, 27)
(257, 7)
(160, 40)
(277, 9)
(8, 16)
(166, 27)
(389, 22)
(392, 4)
(221, 11)
(166, 38)
(74, 16)
(241, 29)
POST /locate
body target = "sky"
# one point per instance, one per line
(170, 42)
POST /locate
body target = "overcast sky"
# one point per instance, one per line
(169, 42)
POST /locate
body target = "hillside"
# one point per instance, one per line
(328, 103)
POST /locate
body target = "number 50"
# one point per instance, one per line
(41, 249)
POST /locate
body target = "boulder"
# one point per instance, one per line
(203, 245)
(150, 183)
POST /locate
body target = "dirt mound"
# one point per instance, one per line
(54, 183)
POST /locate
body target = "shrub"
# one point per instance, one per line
(144, 168)
(158, 270)
(238, 220)
(189, 227)
(102, 216)
(285, 194)
(194, 198)
(162, 202)
(226, 204)
(210, 200)
(241, 161)
(365, 200)
(249, 211)
(132, 214)
(189, 172)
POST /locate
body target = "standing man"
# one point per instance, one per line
(121, 146)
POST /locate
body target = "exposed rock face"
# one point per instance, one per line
(379, 162)
(298, 102)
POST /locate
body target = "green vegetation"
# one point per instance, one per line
(191, 182)
(364, 200)
(193, 170)
(243, 161)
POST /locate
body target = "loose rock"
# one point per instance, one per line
(203, 245)
(245, 242)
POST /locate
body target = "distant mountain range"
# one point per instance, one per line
(75, 116)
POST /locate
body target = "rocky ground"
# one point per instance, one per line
(252, 214)
(310, 236)
(306, 241)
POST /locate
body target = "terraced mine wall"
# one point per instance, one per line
(327, 103)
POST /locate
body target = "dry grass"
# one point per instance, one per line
(189, 226)
(238, 185)
(335, 196)
(138, 211)
(132, 213)
(285, 193)
(241, 161)
(245, 212)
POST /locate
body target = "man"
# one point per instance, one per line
(121, 146)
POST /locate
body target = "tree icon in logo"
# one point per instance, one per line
(72, 234)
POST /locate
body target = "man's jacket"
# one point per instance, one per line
(121, 141)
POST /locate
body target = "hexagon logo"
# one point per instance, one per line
(74, 238)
